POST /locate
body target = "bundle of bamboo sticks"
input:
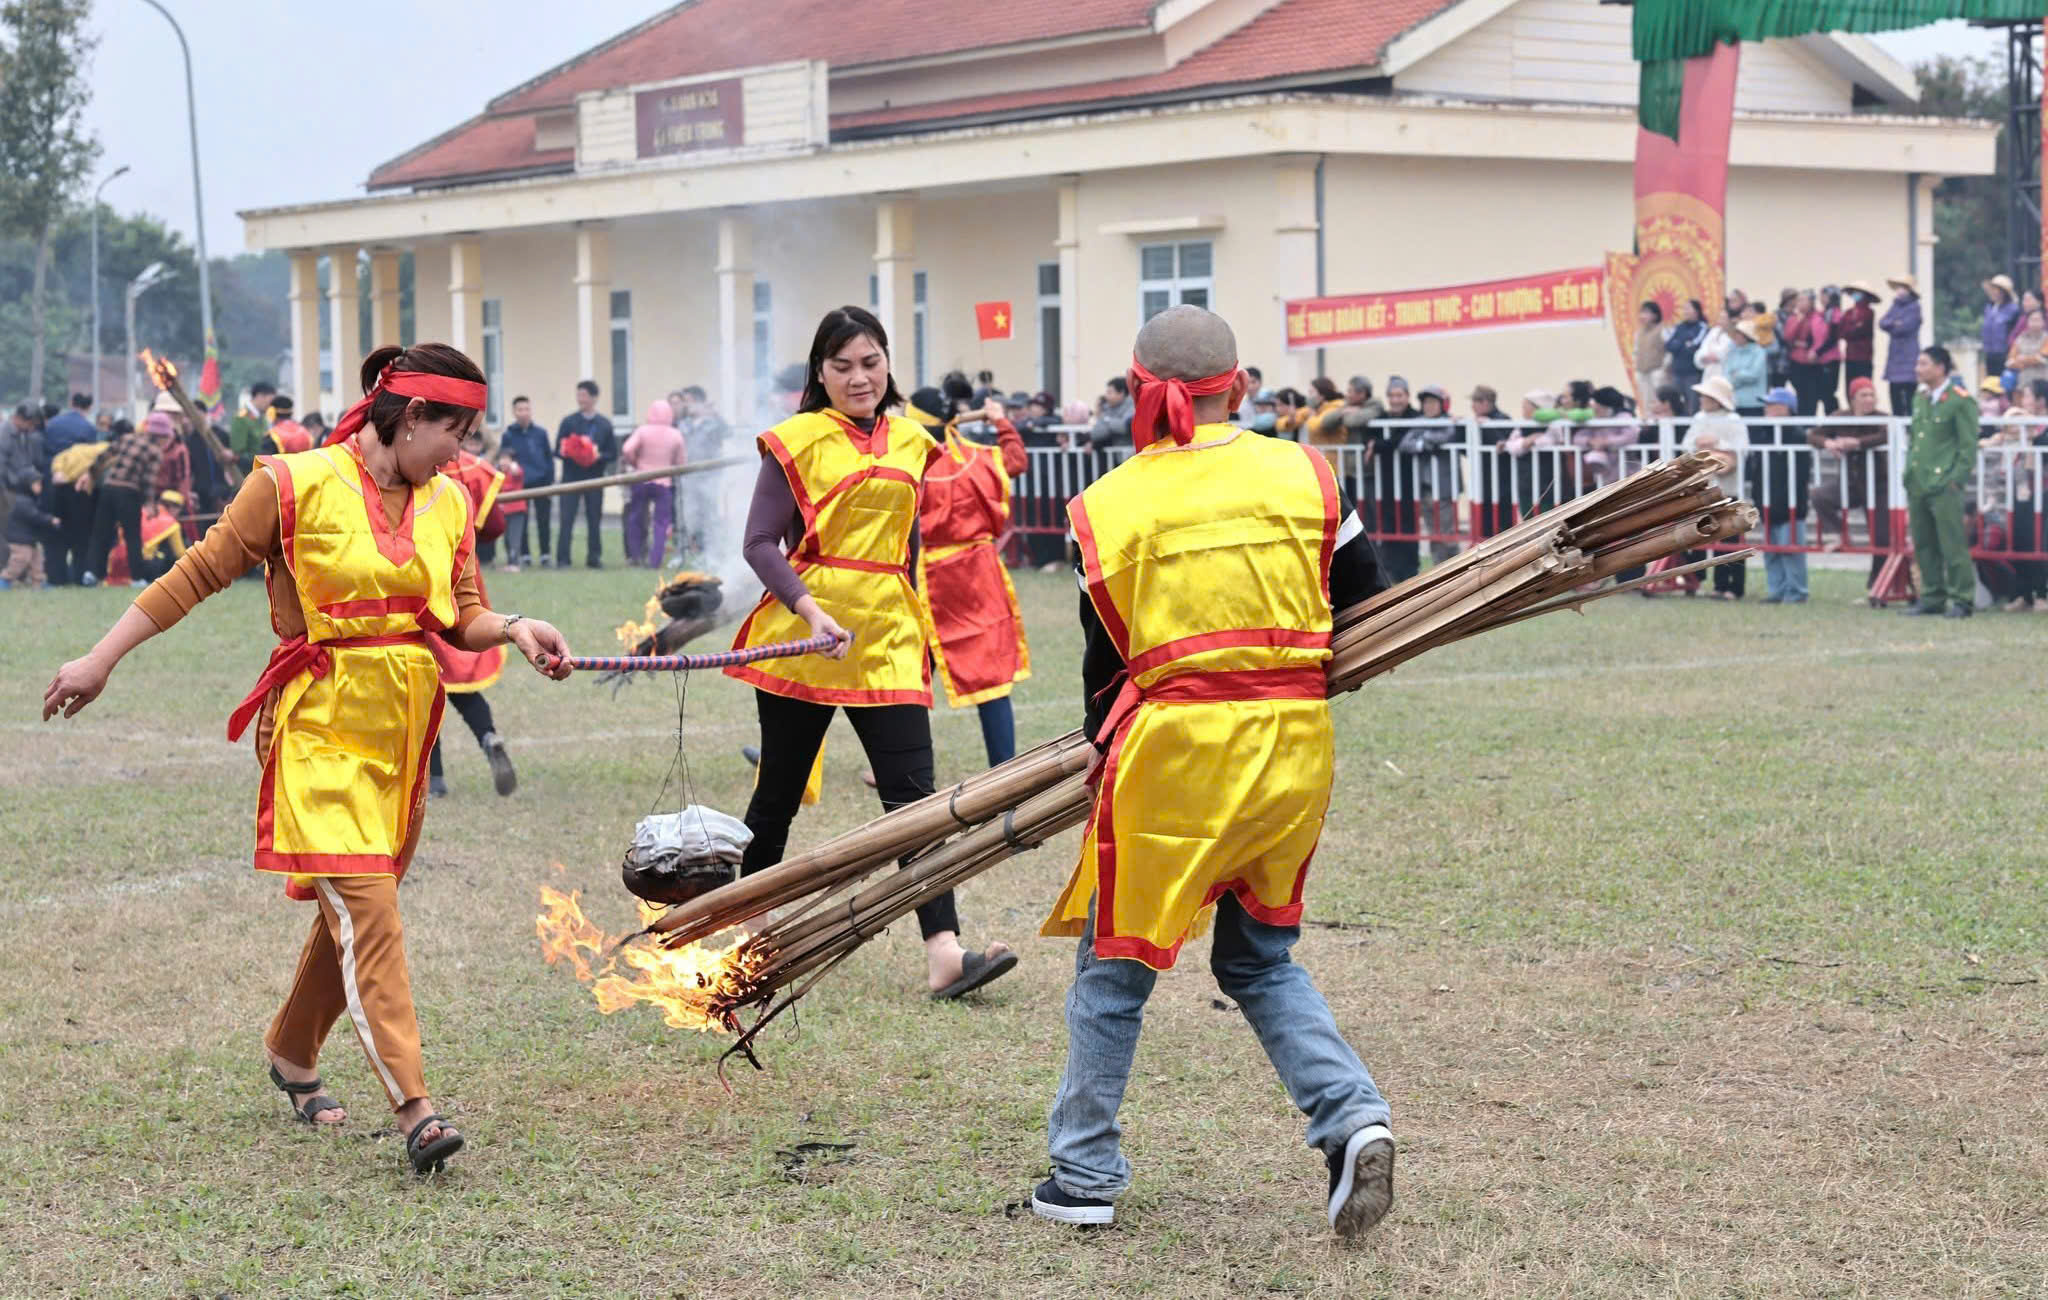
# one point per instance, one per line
(1541, 565)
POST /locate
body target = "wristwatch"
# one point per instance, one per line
(510, 619)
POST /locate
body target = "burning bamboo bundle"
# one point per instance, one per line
(829, 908)
(164, 375)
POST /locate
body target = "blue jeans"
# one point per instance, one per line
(998, 730)
(1785, 573)
(1106, 1009)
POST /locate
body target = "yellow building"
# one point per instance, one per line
(681, 203)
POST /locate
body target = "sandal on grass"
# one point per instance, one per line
(976, 969)
(315, 1104)
(429, 1157)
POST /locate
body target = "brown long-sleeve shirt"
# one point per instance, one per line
(249, 534)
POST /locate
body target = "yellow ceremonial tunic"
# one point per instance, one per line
(970, 603)
(359, 698)
(1209, 566)
(858, 495)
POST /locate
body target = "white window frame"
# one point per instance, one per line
(919, 289)
(622, 355)
(494, 360)
(1049, 349)
(764, 335)
(1176, 286)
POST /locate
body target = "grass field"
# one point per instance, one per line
(1698, 949)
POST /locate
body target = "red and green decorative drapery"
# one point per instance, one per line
(1668, 32)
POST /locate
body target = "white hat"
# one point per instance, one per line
(167, 404)
(1720, 390)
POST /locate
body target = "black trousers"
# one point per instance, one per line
(118, 507)
(66, 551)
(541, 511)
(592, 504)
(898, 742)
(1902, 398)
(476, 711)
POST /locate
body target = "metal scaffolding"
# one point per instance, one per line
(2023, 151)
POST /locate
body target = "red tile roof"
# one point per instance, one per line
(481, 147)
(1293, 39)
(712, 35)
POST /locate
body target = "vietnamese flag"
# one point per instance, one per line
(993, 318)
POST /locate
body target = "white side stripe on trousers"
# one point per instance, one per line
(348, 986)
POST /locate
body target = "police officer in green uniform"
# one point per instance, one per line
(1940, 454)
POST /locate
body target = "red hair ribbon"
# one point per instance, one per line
(466, 393)
(1174, 399)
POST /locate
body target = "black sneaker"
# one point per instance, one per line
(1049, 1202)
(1921, 611)
(1960, 611)
(436, 788)
(1362, 1180)
(502, 774)
(751, 753)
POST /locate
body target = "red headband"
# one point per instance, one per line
(1174, 399)
(466, 393)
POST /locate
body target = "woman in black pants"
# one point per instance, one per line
(832, 534)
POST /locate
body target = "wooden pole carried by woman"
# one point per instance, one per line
(370, 552)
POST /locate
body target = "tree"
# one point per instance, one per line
(45, 149)
(1969, 211)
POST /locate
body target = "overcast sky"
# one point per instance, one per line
(299, 100)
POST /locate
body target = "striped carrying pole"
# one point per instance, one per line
(693, 663)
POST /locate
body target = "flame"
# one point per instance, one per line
(161, 372)
(695, 987)
(630, 633)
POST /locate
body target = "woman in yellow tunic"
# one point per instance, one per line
(370, 550)
(832, 534)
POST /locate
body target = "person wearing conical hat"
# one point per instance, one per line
(2001, 321)
(1901, 325)
(1856, 327)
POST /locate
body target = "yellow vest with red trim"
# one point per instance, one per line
(970, 603)
(359, 701)
(858, 495)
(1209, 566)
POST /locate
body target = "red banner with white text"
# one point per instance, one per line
(1553, 298)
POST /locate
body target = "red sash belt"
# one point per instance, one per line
(296, 656)
(848, 562)
(1304, 683)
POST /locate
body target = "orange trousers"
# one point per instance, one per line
(354, 964)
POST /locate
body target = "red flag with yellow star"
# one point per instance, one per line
(993, 318)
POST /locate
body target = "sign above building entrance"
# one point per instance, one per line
(690, 118)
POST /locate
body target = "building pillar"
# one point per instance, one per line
(1294, 266)
(736, 395)
(1924, 240)
(466, 297)
(344, 325)
(896, 280)
(594, 304)
(305, 323)
(384, 293)
(1069, 245)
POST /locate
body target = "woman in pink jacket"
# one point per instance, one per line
(657, 444)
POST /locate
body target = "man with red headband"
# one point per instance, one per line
(1210, 563)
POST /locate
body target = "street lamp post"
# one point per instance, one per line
(198, 195)
(111, 177)
(152, 275)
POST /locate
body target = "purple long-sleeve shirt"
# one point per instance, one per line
(1901, 324)
(775, 526)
